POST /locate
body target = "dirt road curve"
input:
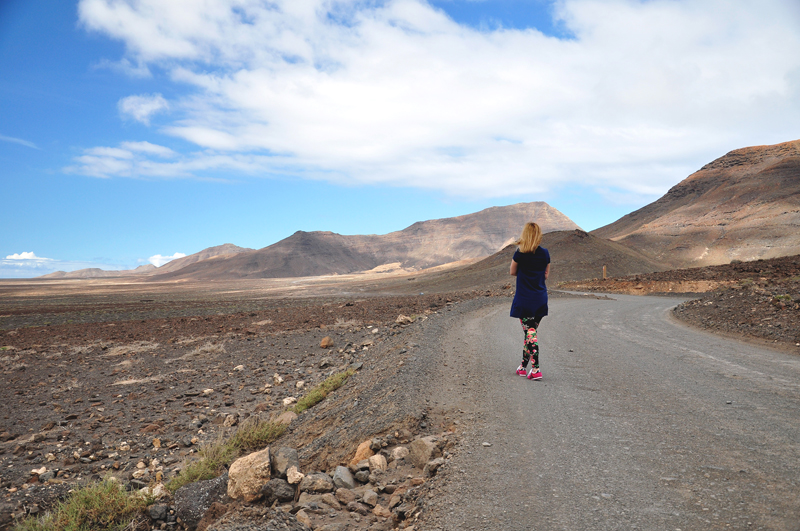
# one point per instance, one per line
(639, 423)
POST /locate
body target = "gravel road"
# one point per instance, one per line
(639, 423)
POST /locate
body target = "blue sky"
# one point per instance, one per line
(132, 130)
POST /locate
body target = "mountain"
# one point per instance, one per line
(421, 245)
(742, 206)
(94, 272)
(574, 255)
(227, 249)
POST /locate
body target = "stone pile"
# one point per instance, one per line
(377, 490)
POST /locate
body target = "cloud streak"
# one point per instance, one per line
(19, 141)
(396, 93)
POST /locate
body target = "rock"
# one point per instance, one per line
(399, 452)
(158, 511)
(317, 483)
(329, 499)
(193, 500)
(294, 476)
(403, 320)
(381, 511)
(289, 400)
(423, 450)
(248, 474)
(325, 362)
(326, 342)
(303, 518)
(287, 417)
(432, 466)
(370, 498)
(346, 496)
(377, 462)
(239, 368)
(277, 489)
(362, 476)
(362, 452)
(276, 378)
(355, 507)
(230, 421)
(283, 458)
(343, 479)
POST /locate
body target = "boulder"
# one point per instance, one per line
(377, 462)
(193, 500)
(423, 450)
(346, 496)
(343, 479)
(317, 483)
(399, 452)
(248, 474)
(326, 342)
(432, 466)
(282, 459)
(362, 452)
(370, 498)
(294, 476)
(277, 489)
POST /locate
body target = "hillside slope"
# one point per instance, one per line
(744, 205)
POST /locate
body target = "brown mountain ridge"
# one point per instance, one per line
(422, 245)
(742, 206)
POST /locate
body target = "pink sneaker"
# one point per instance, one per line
(535, 375)
(521, 371)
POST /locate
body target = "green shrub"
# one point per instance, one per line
(253, 434)
(318, 393)
(105, 505)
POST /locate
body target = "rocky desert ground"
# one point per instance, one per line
(105, 379)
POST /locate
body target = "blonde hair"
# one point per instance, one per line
(530, 239)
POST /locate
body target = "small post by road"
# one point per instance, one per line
(604, 272)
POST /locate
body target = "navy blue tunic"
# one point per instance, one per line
(530, 299)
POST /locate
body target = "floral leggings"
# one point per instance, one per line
(531, 345)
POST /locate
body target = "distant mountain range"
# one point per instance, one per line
(744, 205)
(421, 245)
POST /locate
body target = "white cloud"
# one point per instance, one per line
(142, 107)
(158, 260)
(27, 256)
(28, 265)
(395, 92)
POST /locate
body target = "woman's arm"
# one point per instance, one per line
(547, 272)
(514, 268)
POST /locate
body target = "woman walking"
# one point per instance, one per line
(531, 266)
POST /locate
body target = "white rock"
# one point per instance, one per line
(300, 384)
(293, 475)
(289, 401)
(399, 452)
(276, 378)
(239, 368)
(208, 391)
(39, 471)
(377, 462)
(248, 474)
